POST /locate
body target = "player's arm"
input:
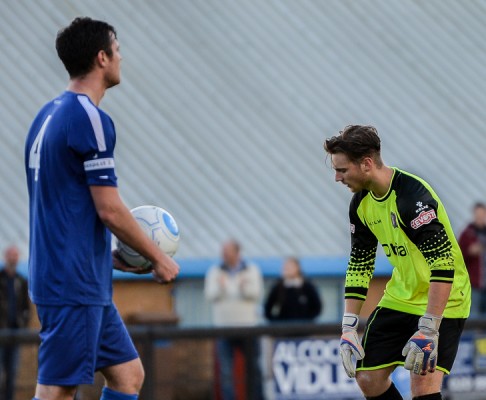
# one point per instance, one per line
(94, 144)
(117, 217)
(418, 218)
(353, 306)
(360, 270)
(438, 296)
(361, 265)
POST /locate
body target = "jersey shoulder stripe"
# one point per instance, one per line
(95, 118)
(407, 185)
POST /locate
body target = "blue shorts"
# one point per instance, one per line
(77, 341)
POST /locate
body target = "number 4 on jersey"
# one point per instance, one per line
(34, 155)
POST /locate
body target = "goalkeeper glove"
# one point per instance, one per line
(420, 352)
(350, 344)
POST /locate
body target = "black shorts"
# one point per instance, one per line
(387, 332)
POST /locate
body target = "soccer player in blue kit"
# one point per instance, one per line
(74, 204)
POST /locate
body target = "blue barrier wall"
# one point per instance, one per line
(327, 273)
(319, 267)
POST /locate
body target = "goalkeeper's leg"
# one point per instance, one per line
(377, 385)
(427, 386)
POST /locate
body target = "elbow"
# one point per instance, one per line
(107, 216)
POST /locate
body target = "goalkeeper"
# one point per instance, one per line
(420, 318)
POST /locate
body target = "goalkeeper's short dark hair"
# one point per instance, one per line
(356, 142)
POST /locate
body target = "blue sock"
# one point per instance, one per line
(109, 394)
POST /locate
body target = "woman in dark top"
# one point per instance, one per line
(292, 297)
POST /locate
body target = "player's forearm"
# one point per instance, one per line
(118, 219)
(439, 293)
(127, 230)
(353, 306)
(357, 283)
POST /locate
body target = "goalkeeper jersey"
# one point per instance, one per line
(412, 226)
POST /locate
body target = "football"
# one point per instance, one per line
(159, 225)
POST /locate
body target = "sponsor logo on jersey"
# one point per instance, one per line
(352, 228)
(394, 220)
(421, 206)
(375, 222)
(424, 218)
(394, 249)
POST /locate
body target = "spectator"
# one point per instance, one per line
(293, 297)
(234, 289)
(473, 243)
(14, 314)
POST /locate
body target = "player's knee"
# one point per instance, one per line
(54, 392)
(427, 385)
(137, 377)
(125, 378)
(365, 380)
(140, 377)
(369, 385)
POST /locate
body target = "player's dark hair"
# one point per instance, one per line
(79, 43)
(356, 142)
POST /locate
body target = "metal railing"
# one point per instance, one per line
(146, 336)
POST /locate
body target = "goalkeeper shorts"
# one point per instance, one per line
(388, 331)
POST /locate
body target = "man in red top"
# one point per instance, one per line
(473, 245)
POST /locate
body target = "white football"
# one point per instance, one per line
(159, 226)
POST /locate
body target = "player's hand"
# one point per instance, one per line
(420, 352)
(350, 344)
(165, 270)
(121, 265)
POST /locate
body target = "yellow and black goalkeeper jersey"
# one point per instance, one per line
(412, 226)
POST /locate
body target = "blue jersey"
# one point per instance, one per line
(69, 147)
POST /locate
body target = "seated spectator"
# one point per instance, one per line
(293, 297)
